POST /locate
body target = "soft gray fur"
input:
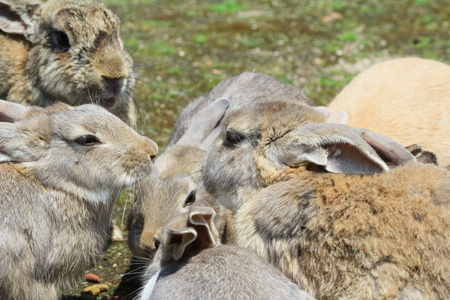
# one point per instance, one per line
(61, 168)
(244, 89)
(225, 272)
(191, 264)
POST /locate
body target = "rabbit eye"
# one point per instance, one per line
(190, 199)
(60, 41)
(87, 140)
(232, 137)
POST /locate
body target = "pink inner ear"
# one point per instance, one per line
(11, 112)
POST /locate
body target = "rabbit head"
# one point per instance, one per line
(84, 150)
(75, 54)
(269, 142)
(175, 183)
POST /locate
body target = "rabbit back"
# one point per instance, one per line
(406, 99)
(345, 236)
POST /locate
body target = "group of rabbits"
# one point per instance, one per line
(258, 195)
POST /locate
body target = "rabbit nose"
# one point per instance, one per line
(146, 242)
(114, 85)
(152, 148)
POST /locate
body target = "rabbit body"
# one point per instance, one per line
(406, 99)
(195, 129)
(191, 263)
(224, 272)
(60, 170)
(68, 51)
(354, 235)
(346, 236)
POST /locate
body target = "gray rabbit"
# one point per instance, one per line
(64, 50)
(379, 230)
(241, 90)
(60, 170)
(192, 264)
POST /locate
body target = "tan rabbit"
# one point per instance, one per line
(60, 170)
(406, 99)
(191, 264)
(64, 50)
(383, 235)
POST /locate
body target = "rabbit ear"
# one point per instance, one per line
(204, 123)
(11, 112)
(340, 117)
(202, 218)
(16, 16)
(179, 236)
(15, 144)
(340, 149)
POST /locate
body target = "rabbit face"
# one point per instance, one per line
(158, 200)
(84, 150)
(78, 49)
(242, 154)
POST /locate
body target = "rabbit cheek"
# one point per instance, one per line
(225, 172)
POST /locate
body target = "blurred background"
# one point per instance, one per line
(182, 49)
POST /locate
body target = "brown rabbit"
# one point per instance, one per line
(406, 99)
(349, 235)
(191, 264)
(64, 50)
(60, 168)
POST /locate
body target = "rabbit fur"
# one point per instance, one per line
(339, 236)
(60, 170)
(406, 99)
(64, 50)
(192, 264)
(240, 90)
(156, 199)
(196, 127)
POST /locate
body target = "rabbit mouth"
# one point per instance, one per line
(108, 102)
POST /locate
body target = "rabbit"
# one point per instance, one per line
(155, 201)
(406, 99)
(60, 170)
(197, 126)
(376, 229)
(192, 264)
(240, 90)
(64, 50)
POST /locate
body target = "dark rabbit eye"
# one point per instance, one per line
(232, 137)
(87, 140)
(59, 41)
(190, 199)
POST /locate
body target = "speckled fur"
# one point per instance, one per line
(32, 73)
(343, 236)
(338, 236)
(56, 196)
